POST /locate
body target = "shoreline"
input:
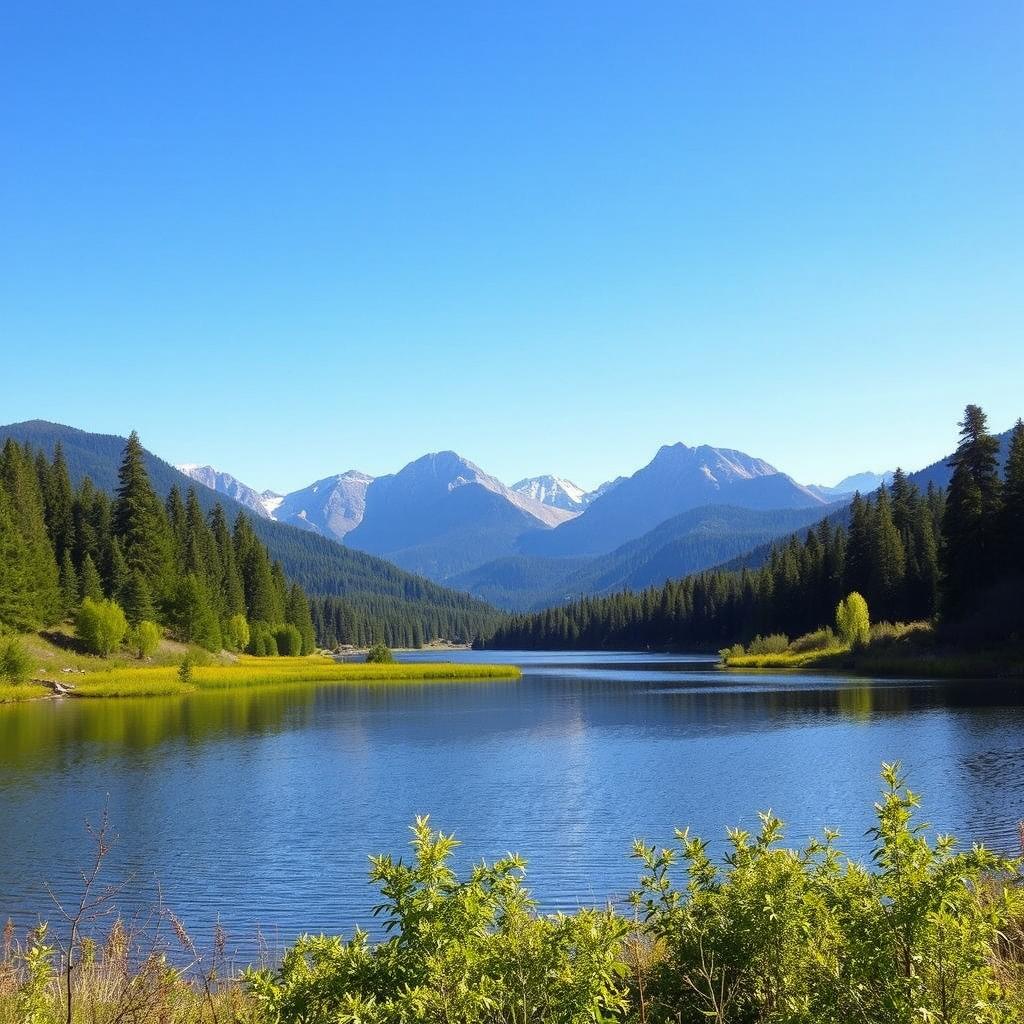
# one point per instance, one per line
(246, 673)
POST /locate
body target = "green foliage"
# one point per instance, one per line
(186, 668)
(775, 643)
(101, 626)
(136, 599)
(144, 638)
(92, 585)
(236, 632)
(783, 936)
(289, 640)
(823, 639)
(192, 613)
(15, 663)
(768, 936)
(33, 1003)
(380, 654)
(262, 640)
(471, 951)
(853, 622)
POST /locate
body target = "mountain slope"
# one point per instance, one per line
(442, 514)
(320, 565)
(696, 539)
(225, 483)
(939, 473)
(555, 491)
(332, 507)
(676, 480)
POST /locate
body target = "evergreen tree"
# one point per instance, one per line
(887, 559)
(70, 587)
(136, 600)
(139, 521)
(297, 614)
(18, 609)
(92, 586)
(18, 475)
(971, 523)
(192, 613)
(1012, 529)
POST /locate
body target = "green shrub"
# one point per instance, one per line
(101, 626)
(735, 651)
(289, 640)
(15, 663)
(775, 643)
(144, 639)
(823, 639)
(893, 632)
(782, 936)
(262, 642)
(469, 951)
(380, 654)
(186, 668)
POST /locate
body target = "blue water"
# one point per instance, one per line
(260, 807)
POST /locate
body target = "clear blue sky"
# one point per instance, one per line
(290, 239)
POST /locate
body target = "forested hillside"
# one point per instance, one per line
(134, 559)
(379, 600)
(956, 554)
(696, 539)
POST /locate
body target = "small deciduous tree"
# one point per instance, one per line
(853, 622)
(237, 632)
(144, 638)
(101, 626)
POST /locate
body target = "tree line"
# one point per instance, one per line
(955, 556)
(74, 550)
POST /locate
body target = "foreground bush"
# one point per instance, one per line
(773, 936)
(470, 951)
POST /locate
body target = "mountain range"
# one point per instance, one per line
(541, 541)
(545, 538)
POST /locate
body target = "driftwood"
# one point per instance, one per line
(59, 689)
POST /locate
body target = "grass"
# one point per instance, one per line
(56, 657)
(21, 691)
(783, 660)
(248, 671)
(899, 650)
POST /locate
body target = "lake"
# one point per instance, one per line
(261, 806)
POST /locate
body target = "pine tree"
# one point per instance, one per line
(887, 559)
(136, 600)
(297, 614)
(70, 588)
(139, 521)
(1012, 527)
(92, 586)
(18, 474)
(59, 498)
(17, 598)
(970, 525)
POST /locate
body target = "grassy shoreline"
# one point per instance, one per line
(890, 661)
(87, 676)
